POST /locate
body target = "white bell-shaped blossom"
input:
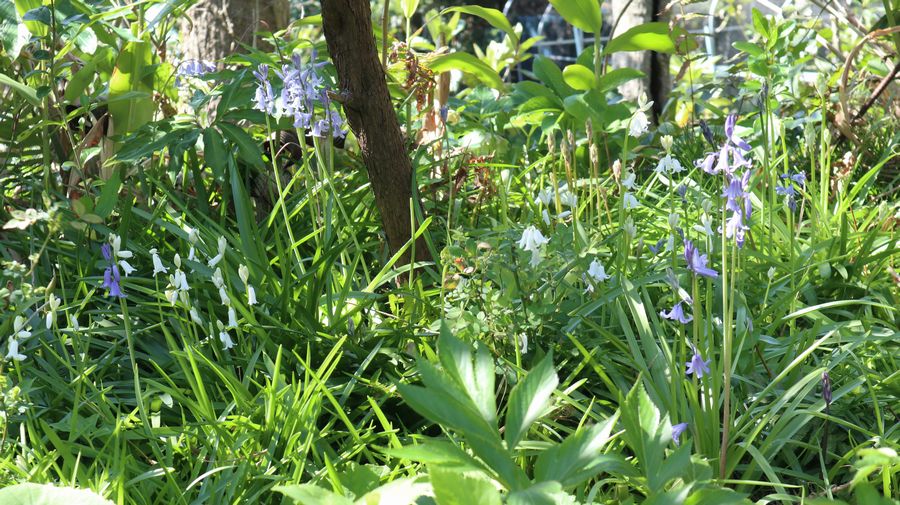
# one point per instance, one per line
(597, 272)
(158, 267)
(532, 240)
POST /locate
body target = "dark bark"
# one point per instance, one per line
(370, 113)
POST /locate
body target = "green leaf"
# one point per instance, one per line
(109, 196)
(494, 18)
(760, 23)
(309, 494)
(45, 494)
(248, 150)
(41, 14)
(544, 493)
(409, 7)
(579, 77)
(131, 102)
(214, 151)
(716, 496)
(27, 92)
(37, 28)
(13, 34)
(437, 452)
(476, 379)
(469, 64)
(529, 400)
(406, 491)
(456, 488)
(583, 14)
(615, 78)
(749, 48)
(80, 81)
(646, 37)
(578, 457)
(549, 74)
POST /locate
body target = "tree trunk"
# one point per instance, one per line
(657, 84)
(214, 29)
(370, 113)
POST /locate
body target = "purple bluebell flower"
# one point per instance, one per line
(111, 277)
(697, 366)
(656, 248)
(195, 68)
(677, 314)
(707, 133)
(733, 139)
(677, 430)
(697, 262)
(788, 189)
(445, 111)
(303, 91)
(707, 163)
(265, 95)
(734, 227)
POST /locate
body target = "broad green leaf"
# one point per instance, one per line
(409, 7)
(46, 494)
(549, 74)
(109, 196)
(80, 81)
(437, 452)
(309, 494)
(716, 496)
(13, 34)
(132, 78)
(579, 458)
(214, 151)
(27, 92)
(646, 37)
(544, 493)
(248, 150)
(493, 16)
(405, 491)
(455, 488)
(579, 77)
(469, 64)
(749, 48)
(529, 400)
(475, 378)
(615, 78)
(583, 14)
(35, 27)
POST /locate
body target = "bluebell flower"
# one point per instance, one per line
(697, 366)
(195, 68)
(111, 276)
(696, 262)
(677, 430)
(265, 95)
(733, 139)
(677, 314)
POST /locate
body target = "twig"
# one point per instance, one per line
(878, 91)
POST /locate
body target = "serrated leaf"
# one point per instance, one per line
(455, 488)
(583, 14)
(468, 64)
(473, 374)
(530, 399)
(46, 494)
(309, 494)
(579, 458)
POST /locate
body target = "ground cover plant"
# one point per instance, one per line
(368, 257)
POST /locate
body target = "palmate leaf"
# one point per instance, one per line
(475, 377)
(45, 494)
(579, 458)
(529, 400)
(455, 488)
